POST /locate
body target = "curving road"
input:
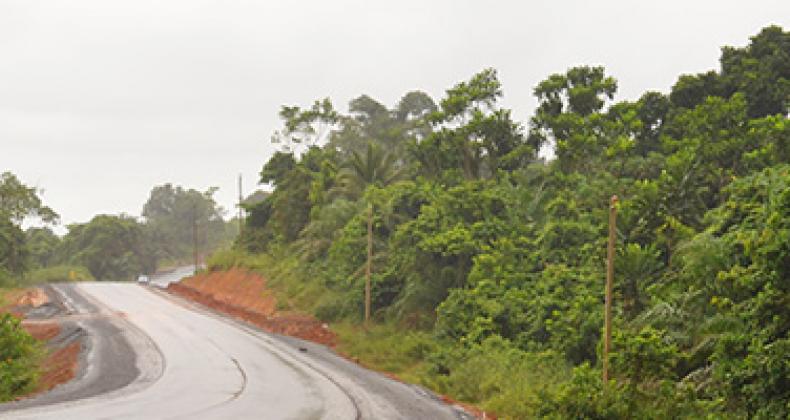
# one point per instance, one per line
(205, 366)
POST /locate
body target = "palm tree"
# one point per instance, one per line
(375, 168)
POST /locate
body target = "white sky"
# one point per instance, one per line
(101, 100)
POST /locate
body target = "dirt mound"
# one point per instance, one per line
(237, 287)
(243, 295)
(33, 297)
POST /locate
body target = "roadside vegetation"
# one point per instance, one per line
(20, 357)
(489, 261)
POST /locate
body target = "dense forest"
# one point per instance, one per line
(496, 255)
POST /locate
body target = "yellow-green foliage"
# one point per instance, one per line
(231, 258)
(387, 347)
(58, 273)
(497, 376)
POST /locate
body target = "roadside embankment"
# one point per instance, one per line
(243, 294)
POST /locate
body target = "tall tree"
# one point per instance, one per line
(111, 247)
(375, 167)
(760, 71)
(42, 245)
(170, 213)
(305, 128)
(472, 137)
(17, 202)
(569, 112)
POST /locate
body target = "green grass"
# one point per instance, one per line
(388, 348)
(502, 379)
(494, 375)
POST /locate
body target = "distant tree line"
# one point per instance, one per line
(109, 247)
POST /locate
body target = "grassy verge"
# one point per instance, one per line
(387, 348)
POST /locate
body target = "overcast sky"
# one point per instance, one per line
(101, 100)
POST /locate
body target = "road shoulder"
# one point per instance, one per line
(109, 360)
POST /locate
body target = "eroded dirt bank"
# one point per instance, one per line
(243, 295)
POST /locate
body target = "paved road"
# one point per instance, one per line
(205, 366)
(171, 276)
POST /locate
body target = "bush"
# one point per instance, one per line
(645, 356)
(20, 354)
(225, 259)
(387, 347)
(332, 308)
(498, 376)
(584, 397)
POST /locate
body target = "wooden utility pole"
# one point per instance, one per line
(195, 236)
(241, 209)
(607, 343)
(368, 269)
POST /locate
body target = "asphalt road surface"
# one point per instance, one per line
(171, 276)
(189, 363)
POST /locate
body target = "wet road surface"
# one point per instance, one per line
(190, 363)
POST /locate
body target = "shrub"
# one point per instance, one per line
(20, 354)
(584, 397)
(226, 259)
(498, 376)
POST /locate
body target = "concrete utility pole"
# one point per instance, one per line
(241, 209)
(368, 269)
(607, 343)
